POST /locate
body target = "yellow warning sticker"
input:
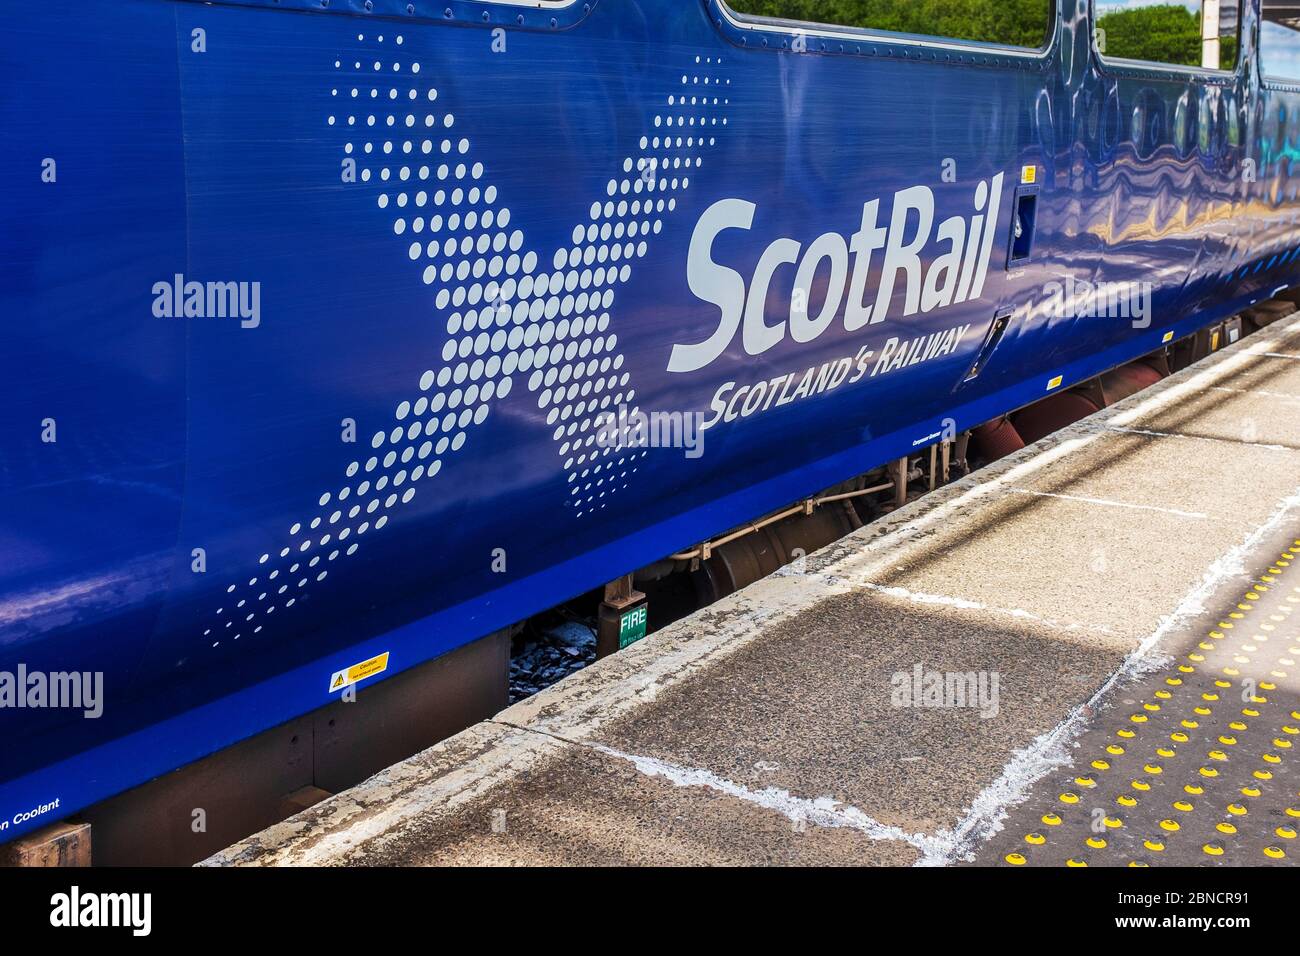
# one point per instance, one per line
(1028, 175)
(1055, 382)
(359, 672)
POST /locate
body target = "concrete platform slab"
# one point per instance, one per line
(600, 809)
(1233, 412)
(769, 714)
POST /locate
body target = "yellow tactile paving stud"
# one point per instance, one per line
(1196, 766)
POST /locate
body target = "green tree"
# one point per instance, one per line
(1164, 33)
(1168, 33)
(1024, 23)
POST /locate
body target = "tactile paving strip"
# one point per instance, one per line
(1192, 766)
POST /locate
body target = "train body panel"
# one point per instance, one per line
(240, 235)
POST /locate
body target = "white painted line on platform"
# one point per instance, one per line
(920, 597)
(1052, 749)
(1107, 502)
(822, 811)
(1152, 433)
(1262, 392)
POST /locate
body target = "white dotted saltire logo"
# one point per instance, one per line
(509, 314)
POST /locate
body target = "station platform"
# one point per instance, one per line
(1085, 653)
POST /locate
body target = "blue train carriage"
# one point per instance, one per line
(319, 314)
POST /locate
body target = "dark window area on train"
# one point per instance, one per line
(1279, 41)
(1198, 33)
(1021, 23)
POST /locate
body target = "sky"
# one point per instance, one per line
(1279, 51)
